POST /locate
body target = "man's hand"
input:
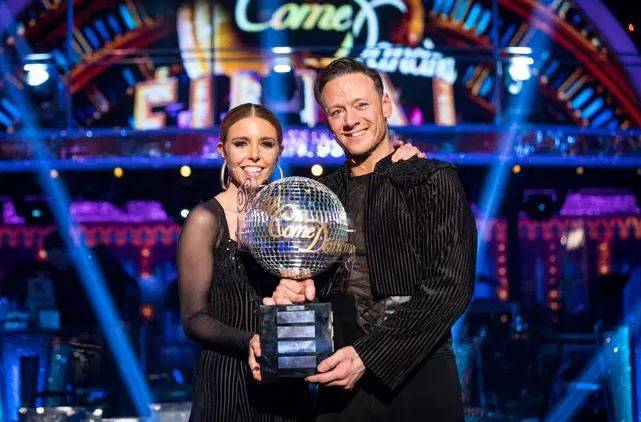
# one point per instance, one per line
(405, 151)
(291, 291)
(342, 369)
(254, 355)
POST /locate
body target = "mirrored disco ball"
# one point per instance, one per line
(296, 227)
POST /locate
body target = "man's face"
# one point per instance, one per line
(356, 113)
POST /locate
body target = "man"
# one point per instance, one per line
(413, 272)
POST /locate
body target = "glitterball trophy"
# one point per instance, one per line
(295, 228)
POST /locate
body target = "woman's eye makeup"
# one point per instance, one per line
(269, 143)
(265, 143)
(239, 142)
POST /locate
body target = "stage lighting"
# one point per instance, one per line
(514, 87)
(44, 88)
(317, 170)
(34, 210)
(118, 172)
(520, 69)
(184, 213)
(575, 239)
(282, 65)
(37, 73)
(281, 50)
(147, 311)
(523, 50)
(282, 68)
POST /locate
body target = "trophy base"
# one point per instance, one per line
(295, 339)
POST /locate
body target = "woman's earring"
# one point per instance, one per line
(224, 184)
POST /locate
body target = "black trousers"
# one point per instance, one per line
(432, 393)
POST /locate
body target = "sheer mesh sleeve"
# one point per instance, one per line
(200, 235)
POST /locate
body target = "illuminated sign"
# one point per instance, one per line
(321, 16)
(420, 61)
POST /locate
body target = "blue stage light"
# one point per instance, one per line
(37, 74)
(82, 257)
(520, 69)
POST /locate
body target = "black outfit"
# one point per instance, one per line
(420, 241)
(224, 321)
(369, 310)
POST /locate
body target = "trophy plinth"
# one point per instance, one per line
(295, 339)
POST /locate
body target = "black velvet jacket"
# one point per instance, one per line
(421, 242)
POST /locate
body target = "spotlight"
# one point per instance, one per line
(185, 171)
(514, 87)
(54, 174)
(317, 170)
(147, 311)
(631, 27)
(519, 68)
(580, 170)
(34, 209)
(281, 50)
(575, 239)
(519, 50)
(43, 86)
(282, 65)
(282, 68)
(37, 73)
(118, 172)
(516, 169)
(184, 213)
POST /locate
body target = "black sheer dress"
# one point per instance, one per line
(220, 290)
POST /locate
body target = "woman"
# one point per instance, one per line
(219, 302)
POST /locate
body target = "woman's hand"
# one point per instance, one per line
(290, 291)
(254, 355)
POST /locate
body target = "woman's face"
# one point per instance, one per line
(251, 150)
